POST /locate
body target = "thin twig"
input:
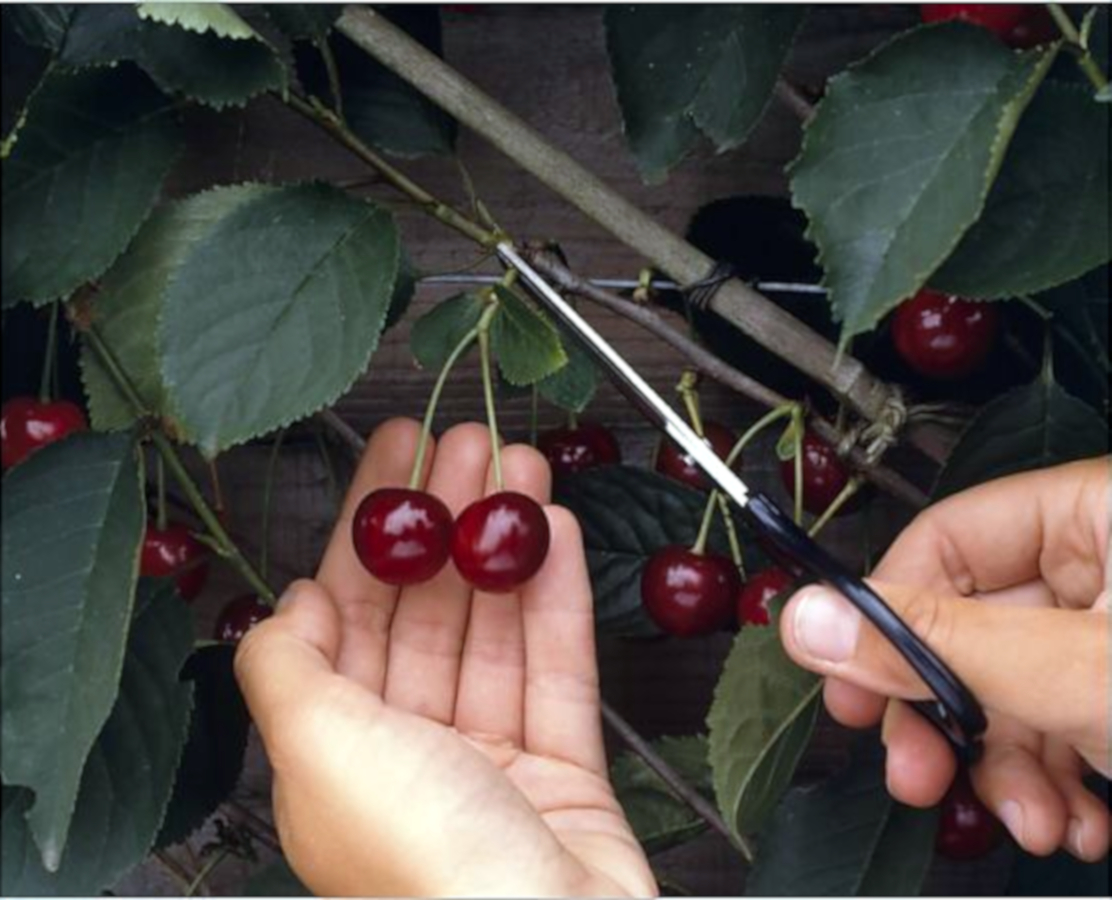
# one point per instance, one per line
(793, 98)
(175, 869)
(262, 830)
(714, 367)
(683, 791)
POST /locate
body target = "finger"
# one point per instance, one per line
(920, 764)
(366, 604)
(1011, 781)
(1056, 527)
(851, 705)
(491, 696)
(288, 661)
(1087, 827)
(562, 717)
(430, 621)
(993, 649)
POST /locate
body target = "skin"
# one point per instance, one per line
(435, 741)
(1011, 589)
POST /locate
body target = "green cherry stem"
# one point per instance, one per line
(46, 394)
(756, 428)
(434, 400)
(488, 395)
(224, 543)
(736, 551)
(700, 546)
(797, 419)
(1084, 56)
(844, 496)
(333, 73)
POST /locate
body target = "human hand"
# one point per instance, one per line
(1035, 652)
(433, 740)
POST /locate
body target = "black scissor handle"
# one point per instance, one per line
(955, 711)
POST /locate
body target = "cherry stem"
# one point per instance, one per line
(461, 348)
(488, 396)
(1084, 56)
(333, 73)
(797, 421)
(226, 546)
(760, 425)
(46, 394)
(689, 392)
(268, 492)
(700, 545)
(161, 519)
(844, 496)
(731, 532)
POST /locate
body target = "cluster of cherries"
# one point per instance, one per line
(405, 536)
(1019, 25)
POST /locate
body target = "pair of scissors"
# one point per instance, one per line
(953, 710)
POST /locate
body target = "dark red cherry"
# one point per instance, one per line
(943, 337)
(239, 616)
(572, 450)
(824, 474)
(26, 424)
(966, 829)
(402, 536)
(688, 594)
(677, 464)
(760, 590)
(1019, 25)
(500, 542)
(173, 552)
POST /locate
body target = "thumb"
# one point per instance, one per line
(1049, 668)
(284, 662)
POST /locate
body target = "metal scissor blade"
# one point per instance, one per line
(636, 389)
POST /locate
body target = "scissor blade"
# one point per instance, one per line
(629, 382)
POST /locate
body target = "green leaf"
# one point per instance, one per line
(526, 343)
(304, 21)
(1081, 332)
(682, 70)
(763, 713)
(126, 310)
(658, 818)
(276, 880)
(130, 771)
(844, 837)
(275, 312)
(626, 515)
(84, 175)
(212, 760)
(1047, 218)
(42, 25)
(1032, 427)
(573, 387)
(217, 19)
(899, 158)
(73, 518)
(439, 331)
(379, 106)
(405, 287)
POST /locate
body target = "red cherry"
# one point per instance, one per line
(688, 594)
(26, 424)
(677, 464)
(944, 337)
(173, 552)
(500, 542)
(966, 829)
(760, 590)
(402, 536)
(572, 450)
(824, 474)
(239, 616)
(1018, 25)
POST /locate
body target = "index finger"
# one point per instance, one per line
(1049, 525)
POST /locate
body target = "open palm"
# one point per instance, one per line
(434, 740)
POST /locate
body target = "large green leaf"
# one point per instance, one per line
(439, 331)
(126, 310)
(1047, 218)
(84, 175)
(129, 774)
(73, 517)
(763, 713)
(658, 818)
(1032, 427)
(844, 837)
(379, 106)
(304, 21)
(81, 35)
(526, 343)
(218, 19)
(573, 387)
(212, 760)
(1081, 331)
(685, 69)
(626, 515)
(899, 158)
(275, 312)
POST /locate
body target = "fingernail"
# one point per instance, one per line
(1075, 834)
(287, 598)
(826, 626)
(1011, 814)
